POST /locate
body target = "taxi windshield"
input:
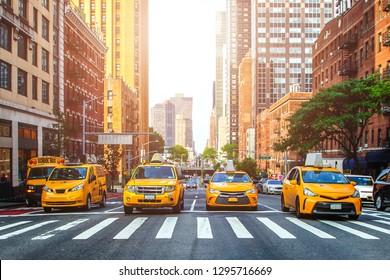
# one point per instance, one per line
(40, 172)
(323, 176)
(154, 172)
(77, 173)
(230, 178)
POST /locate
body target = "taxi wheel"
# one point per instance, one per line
(128, 210)
(177, 208)
(29, 203)
(298, 209)
(284, 208)
(379, 203)
(103, 202)
(353, 217)
(88, 205)
(47, 209)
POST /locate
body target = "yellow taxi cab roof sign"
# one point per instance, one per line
(230, 166)
(157, 158)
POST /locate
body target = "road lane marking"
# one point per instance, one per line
(349, 230)
(310, 228)
(131, 228)
(88, 233)
(281, 232)
(166, 230)
(204, 228)
(383, 222)
(238, 228)
(23, 230)
(14, 225)
(53, 232)
(193, 205)
(383, 230)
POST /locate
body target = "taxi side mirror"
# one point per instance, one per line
(353, 183)
(93, 178)
(293, 182)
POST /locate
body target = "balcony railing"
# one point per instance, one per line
(349, 42)
(386, 72)
(386, 5)
(348, 69)
(386, 38)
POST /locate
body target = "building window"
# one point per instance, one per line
(35, 20)
(22, 47)
(5, 75)
(27, 133)
(379, 42)
(45, 60)
(34, 53)
(45, 28)
(367, 50)
(5, 36)
(34, 89)
(22, 82)
(23, 8)
(45, 92)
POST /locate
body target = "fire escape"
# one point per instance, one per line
(348, 65)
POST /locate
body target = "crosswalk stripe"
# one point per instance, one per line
(88, 233)
(23, 230)
(204, 228)
(53, 232)
(350, 230)
(166, 230)
(238, 228)
(130, 229)
(281, 232)
(383, 222)
(14, 225)
(310, 228)
(371, 226)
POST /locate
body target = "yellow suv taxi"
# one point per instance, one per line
(75, 185)
(154, 185)
(231, 188)
(313, 189)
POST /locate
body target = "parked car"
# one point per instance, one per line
(272, 187)
(259, 184)
(381, 190)
(364, 185)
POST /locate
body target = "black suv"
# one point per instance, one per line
(381, 190)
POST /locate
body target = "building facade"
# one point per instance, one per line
(163, 121)
(183, 130)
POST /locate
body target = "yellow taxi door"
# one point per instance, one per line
(93, 184)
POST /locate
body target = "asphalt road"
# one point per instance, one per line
(195, 234)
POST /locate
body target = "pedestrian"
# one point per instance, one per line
(3, 178)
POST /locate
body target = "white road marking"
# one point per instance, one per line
(23, 230)
(310, 228)
(193, 205)
(88, 233)
(131, 228)
(166, 230)
(53, 232)
(350, 230)
(14, 225)
(204, 228)
(281, 232)
(371, 227)
(238, 228)
(383, 222)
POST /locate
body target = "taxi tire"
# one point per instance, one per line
(353, 217)
(177, 208)
(298, 209)
(379, 203)
(47, 209)
(284, 208)
(29, 203)
(128, 210)
(103, 202)
(88, 205)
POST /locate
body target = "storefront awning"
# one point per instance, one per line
(349, 163)
(378, 157)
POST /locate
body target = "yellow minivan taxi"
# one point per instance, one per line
(75, 185)
(231, 188)
(320, 190)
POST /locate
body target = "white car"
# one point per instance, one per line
(364, 185)
(272, 186)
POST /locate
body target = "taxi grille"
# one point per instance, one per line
(226, 198)
(57, 203)
(325, 208)
(150, 190)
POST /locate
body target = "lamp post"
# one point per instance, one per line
(84, 106)
(143, 150)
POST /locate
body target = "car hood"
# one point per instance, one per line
(152, 182)
(334, 191)
(63, 184)
(232, 187)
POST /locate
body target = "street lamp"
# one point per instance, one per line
(84, 106)
(143, 150)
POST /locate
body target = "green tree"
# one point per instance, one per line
(230, 150)
(57, 138)
(339, 113)
(249, 166)
(113, 155)
(210, 154)
(157, 146)
(178, 153)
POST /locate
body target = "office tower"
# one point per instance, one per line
(163, 121)
(183, 107)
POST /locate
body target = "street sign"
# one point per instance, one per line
(113, 139)
(264, 157)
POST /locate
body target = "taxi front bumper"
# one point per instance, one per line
(69, 199)
(319, 205)
(168, 199)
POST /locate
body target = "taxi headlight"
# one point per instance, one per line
(77, 188)
(169, 188)
(131, 189)
(356, 194)
(214, 191)
(308, 192)
(46, 189)
(253, 191)
(31, 187)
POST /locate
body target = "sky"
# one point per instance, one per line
(182, 56)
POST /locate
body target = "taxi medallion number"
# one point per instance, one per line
(150, 197)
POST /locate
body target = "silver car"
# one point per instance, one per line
(272, 186)
(364, 185)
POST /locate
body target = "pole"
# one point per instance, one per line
(84, 104)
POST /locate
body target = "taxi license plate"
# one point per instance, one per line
(335, 206)
(150, 197)
(233, 199)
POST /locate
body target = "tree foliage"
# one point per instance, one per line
(178, 153)
(210, 154)
(249, 166)
(339, 113)
(230, 150)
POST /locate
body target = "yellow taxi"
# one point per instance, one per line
(75, 185)
(154, 185)
(314, 189)
(231, 188)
